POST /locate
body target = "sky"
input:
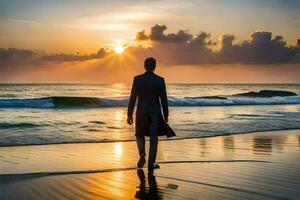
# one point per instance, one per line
(96, 41)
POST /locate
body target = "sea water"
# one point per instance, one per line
(71, 113)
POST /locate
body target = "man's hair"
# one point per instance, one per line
(150, 64)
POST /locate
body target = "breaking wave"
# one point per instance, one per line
(91, 102)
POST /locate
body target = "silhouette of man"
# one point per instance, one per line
(149, 88)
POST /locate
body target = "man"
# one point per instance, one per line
(149, 88)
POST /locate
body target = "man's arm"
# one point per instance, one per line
(132, 100)
(164, 101)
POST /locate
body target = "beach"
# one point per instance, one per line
(71, 141)
(261, 165)
(214, 86)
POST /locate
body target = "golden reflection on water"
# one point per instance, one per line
(118, 123)
(119, 89)
(119, 117)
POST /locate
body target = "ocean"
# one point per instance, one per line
(32, 114)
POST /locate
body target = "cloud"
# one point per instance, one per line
(16, 63)
(228, 52)
(202, 39)
(74, 57)
(141, 35)
(157, 34)
(25, 21)
(227, 40)
(12, 60)
(184, 48)
(179, 48)
(261, 48)
(12, 54)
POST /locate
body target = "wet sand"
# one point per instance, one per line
(263, 165)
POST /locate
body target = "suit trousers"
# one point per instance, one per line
(153, 120)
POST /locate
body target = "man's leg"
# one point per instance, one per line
(154, 120)
(140, 141)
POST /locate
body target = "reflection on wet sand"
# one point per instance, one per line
(279, 143)
(152, 192)
(203, 147)
(262, 145)
(228, 145)
(245, 166)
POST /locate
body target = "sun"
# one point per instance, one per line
(119, 49)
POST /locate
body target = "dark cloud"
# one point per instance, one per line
(202, 39)
(141, 35)
(176, 48)
(227, 40)
(15, 62)
(157, 34)
(297, 50)
(180, 48)
(12, 59)
(261, 48)
(13, 54)
(183, 48)
(180, 36)
(228, 52)
(73, 57)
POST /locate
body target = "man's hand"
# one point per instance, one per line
(129, 120)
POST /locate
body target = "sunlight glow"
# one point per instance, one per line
(119, 49)
(118, 150)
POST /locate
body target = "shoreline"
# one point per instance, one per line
(261, 165)
(163, 138)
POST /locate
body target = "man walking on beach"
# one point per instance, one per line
(149, 88)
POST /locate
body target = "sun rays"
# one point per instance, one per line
(119, 49)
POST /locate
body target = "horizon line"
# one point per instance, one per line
(195, 83)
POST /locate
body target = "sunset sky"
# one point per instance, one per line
(95, 41)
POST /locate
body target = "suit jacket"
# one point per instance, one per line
(150, 90)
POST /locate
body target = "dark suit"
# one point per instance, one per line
(150, 89)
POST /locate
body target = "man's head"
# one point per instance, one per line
(150, 64)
